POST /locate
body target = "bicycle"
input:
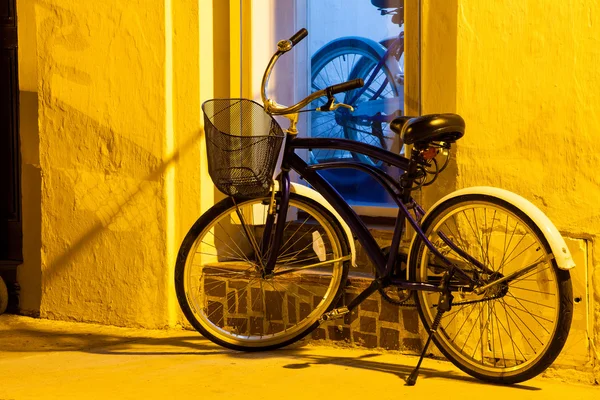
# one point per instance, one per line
(487, 271)
(376, 104)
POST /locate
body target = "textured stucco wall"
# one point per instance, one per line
(112, 153)
(524, 75)
(102, 122)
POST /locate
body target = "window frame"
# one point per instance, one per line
(255, 51)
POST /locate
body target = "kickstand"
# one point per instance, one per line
(444, 305)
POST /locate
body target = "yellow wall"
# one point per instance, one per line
(524, 76)
(103, 98)
(111, 143)
(113, 171)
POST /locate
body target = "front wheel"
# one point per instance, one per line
(514, 330)
(221, 282)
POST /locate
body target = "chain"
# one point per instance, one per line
(410, 302)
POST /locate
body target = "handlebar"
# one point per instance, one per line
(273, 107)
(298, 36)
(345, 86)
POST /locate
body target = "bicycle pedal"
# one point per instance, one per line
(334, 314)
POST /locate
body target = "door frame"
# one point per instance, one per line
(12, 255)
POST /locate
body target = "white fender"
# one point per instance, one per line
(557, 243)
(316, 196)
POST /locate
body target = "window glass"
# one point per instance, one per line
(347, 39)
(357, 39)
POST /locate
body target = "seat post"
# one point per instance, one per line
(407, 179)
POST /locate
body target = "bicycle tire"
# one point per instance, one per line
(348, 58)
(257, 313)
(517, 312)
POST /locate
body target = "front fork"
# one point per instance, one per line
(275, 224)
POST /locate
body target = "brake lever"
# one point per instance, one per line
(327, 106)
(338, 105)
(331, 105)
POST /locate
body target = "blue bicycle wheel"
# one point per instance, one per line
(349, 58)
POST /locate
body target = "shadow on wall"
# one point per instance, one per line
(106, 181)
(108, 215)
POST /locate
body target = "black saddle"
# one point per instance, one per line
(388, 3)
(429, 128)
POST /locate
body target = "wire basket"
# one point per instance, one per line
(242, 145)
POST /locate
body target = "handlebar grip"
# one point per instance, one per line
(344, 87)
(298, 36)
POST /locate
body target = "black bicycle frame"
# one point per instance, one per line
(291, 161)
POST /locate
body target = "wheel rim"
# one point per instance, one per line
(224, 287)
(347, 64)
(510, 332)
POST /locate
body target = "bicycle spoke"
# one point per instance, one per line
(500, 340)
(523, 322)
(472, 229)
(527, 248)
(316, 265)
(462, 241)
(251, 238)
(487, 250)
(477, 234)
(230, 256)
(535, 317)
(512, 340)
(292, 235)
(229, 247)
(525, 277)
(338, 70)
(287, 255)
(527, 312)
(509, 333)
(530, 301)
(455, 313)
(501, 266)
(512, 251)
(480, 340)
(463, 324)
(531, 290)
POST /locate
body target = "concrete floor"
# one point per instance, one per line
(42, 359)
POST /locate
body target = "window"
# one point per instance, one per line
(347, 39)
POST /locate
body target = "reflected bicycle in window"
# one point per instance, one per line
(376, 104)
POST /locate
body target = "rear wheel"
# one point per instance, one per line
(220, 280)
(513, 331)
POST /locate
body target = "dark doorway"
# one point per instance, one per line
(11, 233)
